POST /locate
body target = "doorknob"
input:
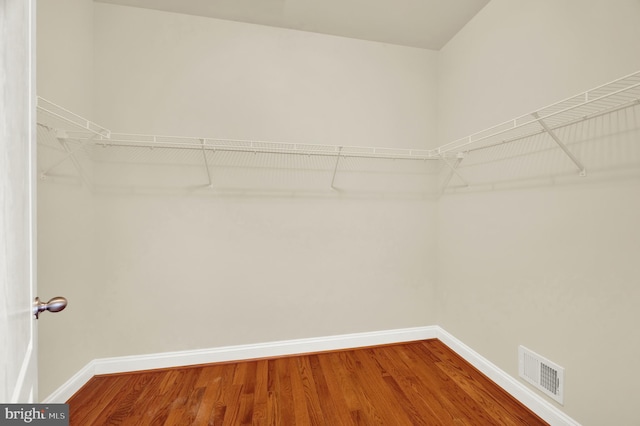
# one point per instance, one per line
(54, 305)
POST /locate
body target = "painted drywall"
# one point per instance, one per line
(65, 268)
(65, 220)
(207, 272)
(548, 264)
(165, 73)
(196, 270)
(65, 53)
(266, 254)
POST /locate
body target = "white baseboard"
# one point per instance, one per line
(536, 403)
(518, 390)
(236, 353)
(71, 386)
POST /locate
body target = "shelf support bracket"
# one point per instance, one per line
(206, 162)
(453, 167)
(335, 168)
(61, 136)
(552, 134)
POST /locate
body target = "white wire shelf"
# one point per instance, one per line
(81, 128)
(551, 141)
(618, 94)
(531, 135)
(66, 119)
(170, 162)
(250, 146)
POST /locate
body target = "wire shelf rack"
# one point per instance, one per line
(102, 158)
(553, 141)
(254, 147)
(616, 95)
(539, 143)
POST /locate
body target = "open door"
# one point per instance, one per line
(18, 331)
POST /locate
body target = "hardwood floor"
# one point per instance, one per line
(416, 383)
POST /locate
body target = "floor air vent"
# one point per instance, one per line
(541, 373)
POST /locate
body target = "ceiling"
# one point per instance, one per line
(428, 24)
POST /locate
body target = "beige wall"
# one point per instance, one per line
(183, 273)
(65, 53)
(514, 57)
(199, 270)
(166, 73)
(173, 268)
(65, 215)
(551, 265)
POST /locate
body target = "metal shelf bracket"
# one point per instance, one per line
(206, 163)
(335, 168)
(452, 167)
(552, 134)
(62, 137)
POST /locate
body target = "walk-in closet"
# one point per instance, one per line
(207, 183)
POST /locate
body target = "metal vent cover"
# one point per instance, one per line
(543, 374)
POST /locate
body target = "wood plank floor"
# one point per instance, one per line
(416, 383)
